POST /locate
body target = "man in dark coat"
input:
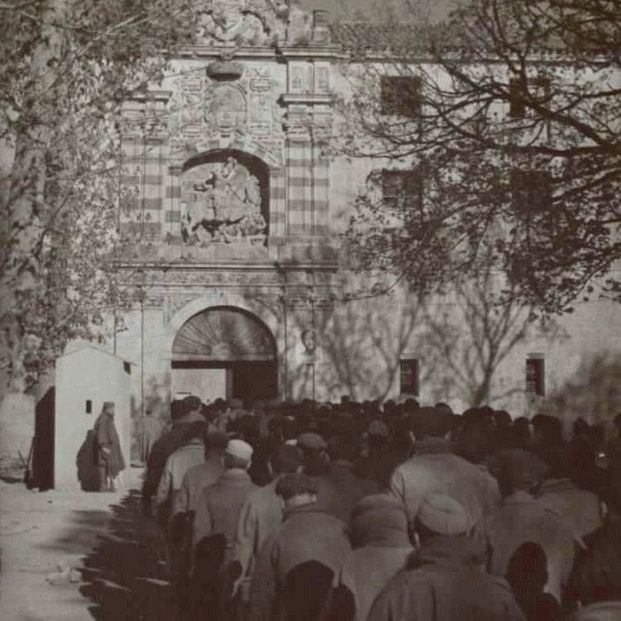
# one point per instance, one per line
(108, 455)
(446, 580)
(597, 574)
(182, 413)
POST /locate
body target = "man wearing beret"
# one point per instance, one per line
(309, 539)
(434, 468)
(445, 579)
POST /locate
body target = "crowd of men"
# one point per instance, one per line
(386, 512)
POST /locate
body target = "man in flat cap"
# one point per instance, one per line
(262, 513)
(308, 539)
(524, 518)
(215, 526)
(434, 468)
(445, 579)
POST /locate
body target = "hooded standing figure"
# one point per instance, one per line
(149, 430)
(108, 456)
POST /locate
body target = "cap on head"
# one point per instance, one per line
(431, 421)
(311, 441)
(379, 429)
(286, 459)
(190, 404)
(295, 485)
(239, 449)
(108, 406)
(443, 515)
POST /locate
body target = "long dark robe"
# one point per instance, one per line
(106, 436)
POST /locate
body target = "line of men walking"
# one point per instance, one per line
(380, 514)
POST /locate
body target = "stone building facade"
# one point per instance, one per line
(233, 210)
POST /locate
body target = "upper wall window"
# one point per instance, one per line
(408, 376)
(521, 91)
(531, 191)
(402, 189)
(401, 95)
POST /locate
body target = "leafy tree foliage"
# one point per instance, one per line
(509, 113)
(67, 67)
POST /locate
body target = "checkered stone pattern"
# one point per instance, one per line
(307, 189)
(145, 168)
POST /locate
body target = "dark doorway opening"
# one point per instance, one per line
(249, 381)
(43, 448)
(225, 352)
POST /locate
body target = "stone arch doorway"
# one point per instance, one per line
(224, 352)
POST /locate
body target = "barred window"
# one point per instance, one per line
(535, 376)
(409, 380)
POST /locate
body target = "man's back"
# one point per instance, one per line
(310, 535)
(218, 510)
(446, 581)
(196, 479)
(445, 473)
(450, 593)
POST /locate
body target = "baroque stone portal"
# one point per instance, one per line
(222, 201)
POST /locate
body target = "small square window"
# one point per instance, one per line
(89, 407)
(402, 189)
(401, 95)
(535, 376)
(538, 90)
(409, 381)
(531, 191)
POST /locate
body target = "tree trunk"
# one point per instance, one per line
(25, 210)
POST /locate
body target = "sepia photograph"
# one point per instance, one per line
(310, 310)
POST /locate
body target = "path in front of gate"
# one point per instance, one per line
(117, 552)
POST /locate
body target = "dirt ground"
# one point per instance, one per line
(117, 554)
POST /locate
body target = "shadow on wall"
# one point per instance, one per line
(363, 342)
(593, 392)
(460, 341)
